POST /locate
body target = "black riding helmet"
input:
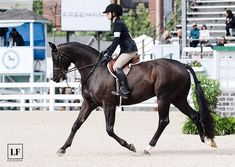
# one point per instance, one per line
(114, 8)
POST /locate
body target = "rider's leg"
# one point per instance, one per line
(121, 61)
(123, 85)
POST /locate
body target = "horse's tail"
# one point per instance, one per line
(205, 115)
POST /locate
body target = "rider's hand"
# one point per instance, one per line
(106, 58)
(109, 58)
(103, 52)
(106, 55)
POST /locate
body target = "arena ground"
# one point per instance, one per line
(42, 133)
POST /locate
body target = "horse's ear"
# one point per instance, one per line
(53, 47)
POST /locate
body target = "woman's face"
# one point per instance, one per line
(109, 15)
(223, 40)
(203, 28)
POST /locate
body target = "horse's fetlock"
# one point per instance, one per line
(109, 130)
(123, 143)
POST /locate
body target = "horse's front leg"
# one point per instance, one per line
(110, 112)
(87, 107)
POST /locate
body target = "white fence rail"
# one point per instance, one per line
(42, 96)
(38, 96)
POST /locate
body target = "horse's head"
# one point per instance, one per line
(61, 64)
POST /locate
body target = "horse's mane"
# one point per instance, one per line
(77, 44)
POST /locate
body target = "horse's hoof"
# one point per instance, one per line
(202, 137)
(148, 149)
(213, 144)
(61, 152)
(132, 148)
(146, 152)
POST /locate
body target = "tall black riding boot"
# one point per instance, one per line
(123, 85)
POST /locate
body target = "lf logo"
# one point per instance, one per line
(15, 151)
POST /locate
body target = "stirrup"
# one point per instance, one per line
(124, 96)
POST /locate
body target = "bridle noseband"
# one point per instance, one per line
(65, 72)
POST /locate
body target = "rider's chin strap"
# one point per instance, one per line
(113, 16)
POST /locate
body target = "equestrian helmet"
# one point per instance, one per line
(114, 8)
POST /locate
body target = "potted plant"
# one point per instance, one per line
(212, 90)
(197, 66)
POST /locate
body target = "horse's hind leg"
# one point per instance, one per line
(184, 107)
(110, 112)
(163, 110)
(87, 107)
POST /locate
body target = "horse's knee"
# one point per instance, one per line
(109, 130)
(164, 122)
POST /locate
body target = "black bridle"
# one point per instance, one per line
(65, 72)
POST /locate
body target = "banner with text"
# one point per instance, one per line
(84, 15)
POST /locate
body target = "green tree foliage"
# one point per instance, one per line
(137, 21)
(176, 16)
(38, 7)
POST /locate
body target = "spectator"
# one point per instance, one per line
(194, 36)
(165, 39)
(204, 35)
(3, 32)
(15, 38)
(179, 33)
(229, 22)
(222, 41)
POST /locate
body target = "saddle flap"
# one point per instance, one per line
(126, 68)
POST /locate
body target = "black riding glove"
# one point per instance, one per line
(105, 58)
(103, 52)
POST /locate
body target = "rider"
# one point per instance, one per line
(128, 48)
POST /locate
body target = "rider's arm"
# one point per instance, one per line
(117, 28)
(113, 46)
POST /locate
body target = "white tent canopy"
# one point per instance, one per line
(4, 24)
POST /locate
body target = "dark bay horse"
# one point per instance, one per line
(168, 80)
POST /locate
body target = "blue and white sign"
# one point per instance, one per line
(16, 60)
(10, 59)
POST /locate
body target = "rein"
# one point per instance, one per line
(92, 70)
(65, 72)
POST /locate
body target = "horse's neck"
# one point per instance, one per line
(83, 61)
(85, 64)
